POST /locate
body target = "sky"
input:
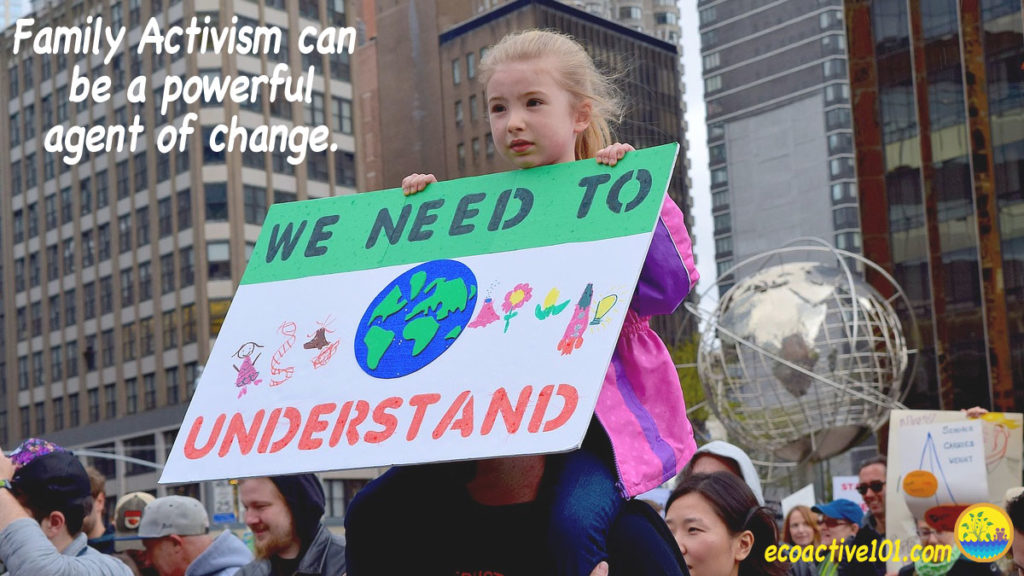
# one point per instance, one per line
(696, 136)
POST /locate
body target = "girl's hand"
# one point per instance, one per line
(414, 183)
(612, 154)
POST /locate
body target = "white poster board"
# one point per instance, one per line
(846, 487)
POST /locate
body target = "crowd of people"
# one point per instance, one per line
(714, 525)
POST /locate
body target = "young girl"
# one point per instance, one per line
(547, 104)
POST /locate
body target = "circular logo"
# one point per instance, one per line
(415, 318)
(984, 532)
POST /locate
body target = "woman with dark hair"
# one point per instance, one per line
(720, 527)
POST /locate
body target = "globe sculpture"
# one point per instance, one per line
(802, 358)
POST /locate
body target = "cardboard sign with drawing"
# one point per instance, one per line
(474, 320)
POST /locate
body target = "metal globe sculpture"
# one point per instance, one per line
(802, 358)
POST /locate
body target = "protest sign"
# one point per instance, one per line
(802, 497)
(846, 487)
(475, 319)
(935, 458)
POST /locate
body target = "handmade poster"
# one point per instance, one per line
(919, 437)
(846, 487)
(942, 464)
(475, 319)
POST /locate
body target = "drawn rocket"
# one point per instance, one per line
(573, 337)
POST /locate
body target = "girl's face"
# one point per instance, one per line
(704, 539)
(799, 530)
(534, 121)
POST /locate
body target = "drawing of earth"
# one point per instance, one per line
(415, 318)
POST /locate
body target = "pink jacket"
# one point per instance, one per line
(641, 404)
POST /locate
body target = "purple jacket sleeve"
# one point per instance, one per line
(669, 272)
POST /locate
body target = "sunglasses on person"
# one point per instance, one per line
(875, 486)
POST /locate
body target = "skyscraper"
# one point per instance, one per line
(779, 125)
(117, 272)
(939, 125)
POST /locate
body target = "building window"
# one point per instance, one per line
(103, 240)
(713, 83)
(142, 226)
(458, 112)
(127, 288)
(73, 410)
(184, 209)
(712, 60)
(188, 324)
(343, 115)
(344, 171)
(218, 255)
(26, 424)
(23, 373)
(40, 418)
(54, 312)
(145, 282)
(70, 311)
(71, 358)
(456, 72)
(128, 341)
(110, 395)
(131, 396)
(165, 225)
(169, 322)
(708, 15)
(314, 110)
(146, 336)
(124, 233)
(166, 273)
(94, 405)
(87, 249)
(38, 375)
(630, 13)
(216, 202)
(670, 18)
(106, 295)
(107, 344)
(255, 204)
(723, 224)
(188, 266)
(719, 177)
(171, 385)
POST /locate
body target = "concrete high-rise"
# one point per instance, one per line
(117, 272)
(939, 125)
(780, 136)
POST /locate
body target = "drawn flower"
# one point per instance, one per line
(516, 297)
(514, 300)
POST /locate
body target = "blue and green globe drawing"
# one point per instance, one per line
(415, 318)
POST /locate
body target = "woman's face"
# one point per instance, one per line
(799, 530)
(704, 539)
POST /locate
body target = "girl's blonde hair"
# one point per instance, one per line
(574, 71)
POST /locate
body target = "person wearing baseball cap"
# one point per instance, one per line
(175, 532)
(284, 514)
(840, 524)
(44, 498)
(127, 516)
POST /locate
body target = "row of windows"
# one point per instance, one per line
(148, 387)
(460, 150)
(137, 341)
(136, 285)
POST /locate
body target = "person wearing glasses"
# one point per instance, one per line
(938, 528)
(841, 523)
(872, 489)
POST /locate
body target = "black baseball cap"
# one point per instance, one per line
(57, 478)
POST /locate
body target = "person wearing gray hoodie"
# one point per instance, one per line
(721, 456)
(176, 533)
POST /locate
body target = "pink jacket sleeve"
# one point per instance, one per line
(669, 271)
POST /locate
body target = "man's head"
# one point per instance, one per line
(52, 485)
(872, 486)
(127, 517)
(283, 513)
(174, 531)
(840, 518)
(1015, 510)
(95, 523)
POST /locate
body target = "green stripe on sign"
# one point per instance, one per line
(574, 202)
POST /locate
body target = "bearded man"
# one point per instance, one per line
(284, 514)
